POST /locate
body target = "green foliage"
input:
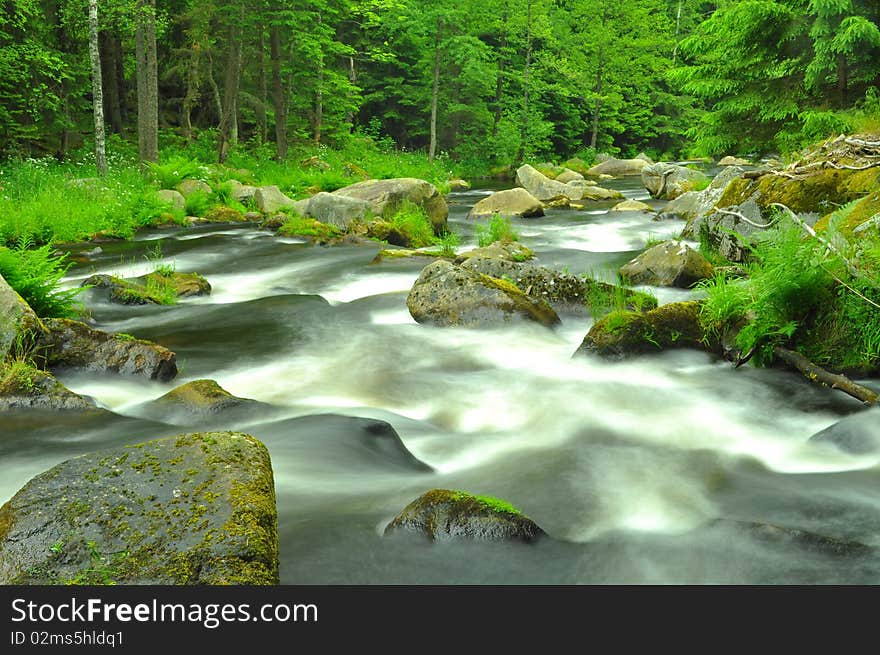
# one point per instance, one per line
(35, 274)
(174, 170)
(198, 203)
(410, 220)
(604, 299)
(448, 242)
(161, 288)
(498, 229)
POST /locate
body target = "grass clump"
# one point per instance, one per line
(35, 273)
(198, 203)
(448, 242)
(299, 226)
(498, 229)
(174, 170)
(411, 221)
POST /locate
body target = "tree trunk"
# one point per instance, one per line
(499, 80)
(230, 91)
(147, 81)
(435, 92)
(352, 79)
(278, 94)
(319, 97)
(262, 119)
(119, 62)
(524, 125)
(677, 29)
(842, 81)
(594, 136)
(825, 378)
(110, 81)
(97, 90)
(193, 84)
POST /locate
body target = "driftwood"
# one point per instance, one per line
(819, 375)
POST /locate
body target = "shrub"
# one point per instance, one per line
(175, 169)
(498, 229)
(35, 274)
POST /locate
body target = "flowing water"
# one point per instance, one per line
(651, 470)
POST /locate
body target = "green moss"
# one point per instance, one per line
(298, 226)
(537, 308)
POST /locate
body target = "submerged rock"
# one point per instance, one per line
(153, 288)
(669, 264)
(669, 181)
(25, 387)
(621, 334)
(71, 344)
(768, 532)
(858, 434)
(444, 515)
(191, 509)
(386, 197)
(512, 202)
(198, 399)
(448, 295)
(20, 327)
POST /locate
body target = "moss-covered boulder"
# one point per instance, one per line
(387, 197)
(617, 167)
(563, 291)
(459, 185)
(197, 400)
(511, 202)
(859, 220)
(24, 387)
(622, 334)
(669, 264)
(669, 181)
(71, 344)
(449, 295)
(157, 288)
(445, 515)
(309, 228)
(20, 327)
(191, 509)
(577, 165)
(221, 214)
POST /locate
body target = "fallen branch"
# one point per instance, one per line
(847, 167)
(819, 375)
(738, 215)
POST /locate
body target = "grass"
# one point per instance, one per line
(297, 226)
(498, 229)
(601, 299)
(35, 273)
(448, 242)
(198, 203)
(175, 169)
(411, 221)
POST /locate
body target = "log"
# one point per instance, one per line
(819, 375)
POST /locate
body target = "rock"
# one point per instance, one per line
(444, 515)
(512, 202)
(189, 186)
(512, 251)
(224, 215)
(20, 327)
(588, 191)
(632, 206)
(669, 264)
(198, 399)
(243, 193)
(385, 198)
(23, 386)
(173, 198)
(720, 230)
(71, 344)
(542, 187)
(577, 165)
(269, 200)
(858, 434)
(256, 217)
(621, 334)
(734, 161)
(559, 289)
(191, 509)
(617, 167)
(669, 181)
(315, 162)
(695, 204)
(567, 175)
(152, 288)
(337, 210)
(449, 295)
(459, 185)
(644, 157)
(769, 533)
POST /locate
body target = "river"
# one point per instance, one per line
(651, 470)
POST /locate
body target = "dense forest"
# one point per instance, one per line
(486, 83)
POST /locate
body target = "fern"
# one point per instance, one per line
(35, 274)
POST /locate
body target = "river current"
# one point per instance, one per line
(653, 470)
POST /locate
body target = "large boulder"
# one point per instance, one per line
(542, 187)
(190, 509)
(622, 334)
(172, 197)
(669, 264)
(449, 295)
(583, 190)
(24, 387)
(567, 175)
(512, 202)
(243, 193)
(444, 515)
(71, 344)
(669, 181)
(20, 327)
(858, 434)
(617, 167)
(337, 210)
(270, 200)
(563, 291)
(696, 204)
(190, 187)
(386, 197)
(726, 232)
(153, 288)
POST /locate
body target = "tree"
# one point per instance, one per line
(147, 80)
(97, 90)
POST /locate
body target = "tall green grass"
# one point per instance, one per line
(35, 274)
(499, 228)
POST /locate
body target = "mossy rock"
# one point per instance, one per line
(819, 192)
(72, 344)
(668, 264)
(198, 399)
(512, 251)
(396, 235)
(25, 387)
(623, 333)
(151, 289)
(448, 295)
(191, 509)
(311, 229)
(224, 215)
(862, 211)
(446, 515)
